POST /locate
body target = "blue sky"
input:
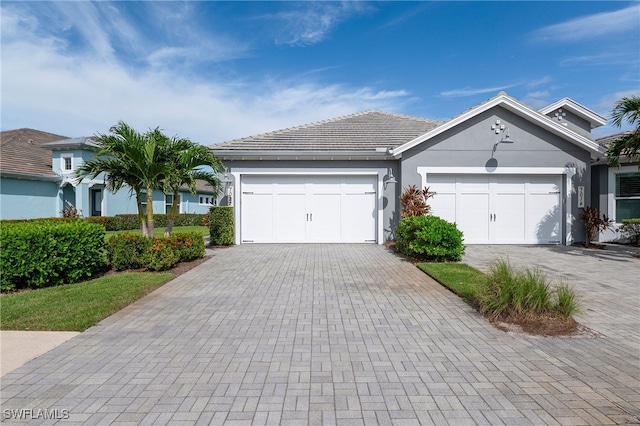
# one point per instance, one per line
(213, 71)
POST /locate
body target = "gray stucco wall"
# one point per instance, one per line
(471, 143)
(573, 122)
(389, 197)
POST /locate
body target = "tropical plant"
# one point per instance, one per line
(631, 229)
(628, 144)
(186, 161)
(594, 223)
(429, 238)
(413, 201)
(148, 161)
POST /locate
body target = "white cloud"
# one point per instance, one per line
(48, 87)
(457, 93)
(538, 82)
(592, 26)
(310, 23)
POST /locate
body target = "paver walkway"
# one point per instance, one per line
(321, 334)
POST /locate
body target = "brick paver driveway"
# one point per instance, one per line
(322, 334)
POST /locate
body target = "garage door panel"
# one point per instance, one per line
(472, 217)
(290, 220)
(359, 217)
(544, 218)
(509, 218)
(325, 218)
(444, 205)
(257, 217)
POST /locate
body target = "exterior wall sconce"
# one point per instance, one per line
(504, 139)
(389, 179)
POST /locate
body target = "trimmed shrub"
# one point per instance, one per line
(221, 228)
(189, 245)
(631, 229)
(110, 223)
(132, 251)
(125, 251)
(160, 255)
(429, 238)
(44, 253)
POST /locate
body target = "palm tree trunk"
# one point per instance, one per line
(143, 222)
(172, 214)
(150, 223)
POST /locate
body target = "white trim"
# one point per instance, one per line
(568, 172)
(517, 108)
(596, 120)
(63, 157)
(611, 187)
(379, 172)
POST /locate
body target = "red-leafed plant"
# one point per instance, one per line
(594, 224)
(413, 201)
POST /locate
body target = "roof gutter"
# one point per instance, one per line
(47, 178)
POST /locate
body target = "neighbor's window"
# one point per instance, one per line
(67, 164)
(208, 200)
(168, 201)
(627, 196)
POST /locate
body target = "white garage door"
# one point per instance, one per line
(500, 209)
(300, 209)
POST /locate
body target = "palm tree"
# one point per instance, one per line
(627, 145)
(186, 160)
(128, 157)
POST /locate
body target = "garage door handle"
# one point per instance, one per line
(309, 217)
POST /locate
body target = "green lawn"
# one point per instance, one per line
(76, 307)
(462, 279)
(159, 232)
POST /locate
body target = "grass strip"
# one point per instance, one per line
(465, 281)
(76, 307)
(159, 232)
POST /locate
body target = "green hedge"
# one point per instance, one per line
(132, 251)
(221, 228)
(126, 222)
(631, 229)
(429, 238)
(52, 252)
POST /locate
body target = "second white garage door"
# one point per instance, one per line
(299, 209)
(500, 209)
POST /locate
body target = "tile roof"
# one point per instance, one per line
(606, 140)
(363, 131)
(21, 152)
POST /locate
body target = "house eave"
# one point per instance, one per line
(243, 155)
(29, 176)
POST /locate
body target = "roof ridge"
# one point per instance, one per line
(330, 120)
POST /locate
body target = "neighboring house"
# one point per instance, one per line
(504, 172)
(615, 190)
(37, 179)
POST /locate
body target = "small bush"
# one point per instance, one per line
(126, 251)
(221, 225)
(44, 253)
(523, 293)
(189, 245)
(160, 255)
(631, 230)
(429, 238)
